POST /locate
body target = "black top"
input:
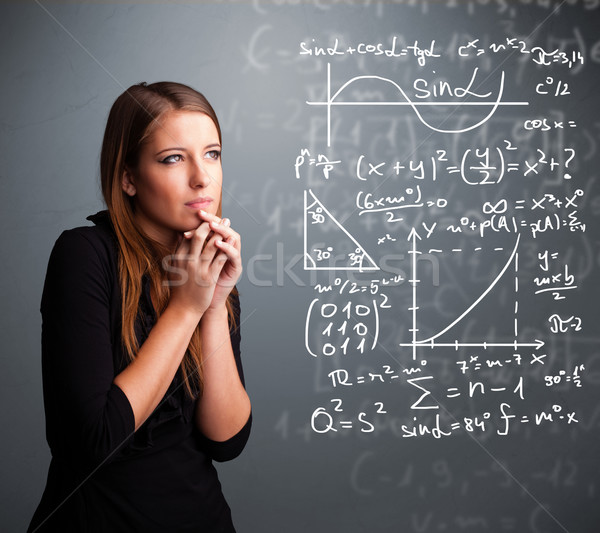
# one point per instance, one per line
(103, 477)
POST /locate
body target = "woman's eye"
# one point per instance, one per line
(172, 158)
(213, 154)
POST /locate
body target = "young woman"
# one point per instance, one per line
(143, 383)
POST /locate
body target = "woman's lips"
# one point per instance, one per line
(199, 203)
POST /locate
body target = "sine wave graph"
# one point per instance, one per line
(332, 100)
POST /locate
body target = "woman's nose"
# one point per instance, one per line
(199, 176)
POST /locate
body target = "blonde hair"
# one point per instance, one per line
(131, 120)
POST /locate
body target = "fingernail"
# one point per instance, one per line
(226, 222)
(187, 234)
(202, 212)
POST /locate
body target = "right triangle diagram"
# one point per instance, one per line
(327, 244)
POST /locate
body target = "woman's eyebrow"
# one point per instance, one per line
(181, 149)
(173, 148)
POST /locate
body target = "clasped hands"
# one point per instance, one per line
(205, 266)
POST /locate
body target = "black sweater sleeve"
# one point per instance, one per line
(87, 416)
(231, 448)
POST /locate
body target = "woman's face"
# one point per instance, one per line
(178, 173)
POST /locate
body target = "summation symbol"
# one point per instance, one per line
(317, 256)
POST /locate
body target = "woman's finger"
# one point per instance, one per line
(218, 266)
(225, 230)
(197, 239)
(183, 245)
(208, 217)
(220, 225)
(211, 250)
(228, 247)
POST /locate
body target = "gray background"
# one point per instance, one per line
(63, 64)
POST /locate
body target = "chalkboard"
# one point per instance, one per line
(416, 185)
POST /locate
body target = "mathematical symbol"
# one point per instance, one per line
(374, 169)
(397, 167)
(452, 170)
(558, 124)
(571, 418)
(524, 419)
(452, 389)
(454, 426)
(537, 359)
(557, 296)
(571, 202)
(473, 358)
(530, 168)
(537, 204)
(498, 389)
(251, 51)
(346, 424)
(324, 160)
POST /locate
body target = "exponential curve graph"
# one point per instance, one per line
(430, 342)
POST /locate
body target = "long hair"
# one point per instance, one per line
(132, 118)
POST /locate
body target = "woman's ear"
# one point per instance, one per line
(127, 183)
